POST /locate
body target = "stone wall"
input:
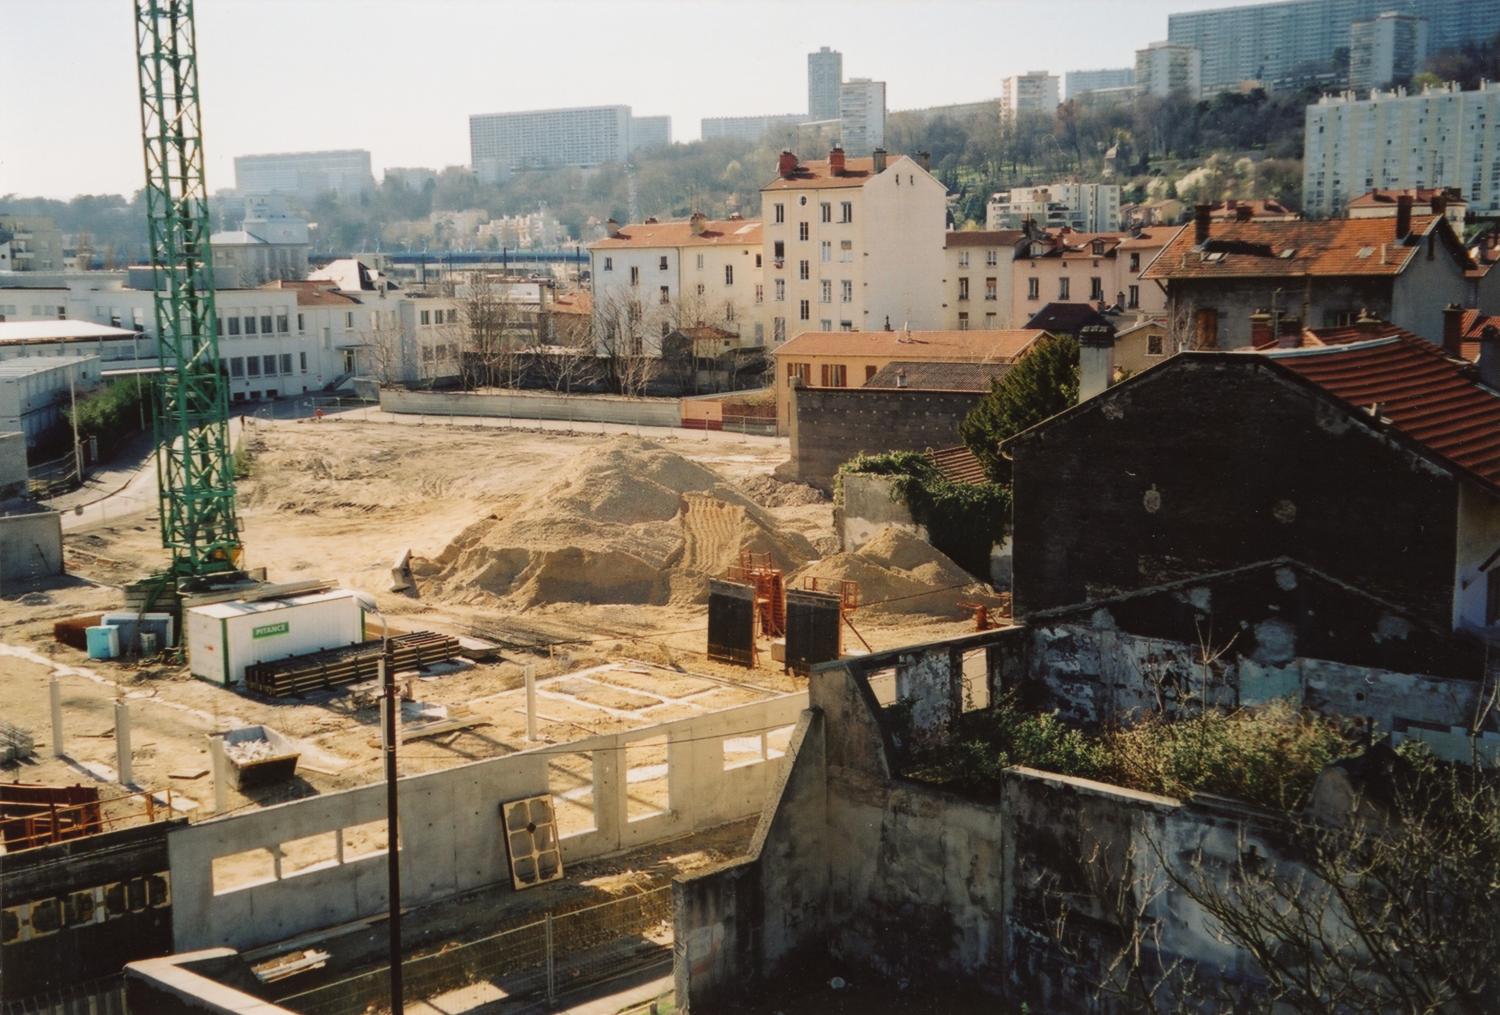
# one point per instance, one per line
(829, 426)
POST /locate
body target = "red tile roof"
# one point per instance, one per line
(726, 233)
(984, 238)
(1470, 327)
(313, 294)
(814, 173)
(1260, 208)
(958, 465)
(1431, 399)
(1421, 196)
(1331, 248)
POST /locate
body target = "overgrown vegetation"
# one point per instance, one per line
(115, 412)
(1268, 756)
(963, 520)
(1042, 384)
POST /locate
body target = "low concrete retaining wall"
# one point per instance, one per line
(450, 826)
(535, 405)
(30, 548)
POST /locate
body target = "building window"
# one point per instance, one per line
(760, 333)
(846, 211)
(825, 291)
(846, 325)
(452, 315)
(778, 329)
(700, 262)
(661, 263)
(426, 317)
(237, 367)
(989, 320)
(729, 311)
(286, 362)
(302, 361)
(778, 252)
(760, 293)
(635, 275)
(846, 291)
(780, 212)
(1206, 329)
(1064, 288)
(780, 289)
(1096, 288)
(268, 365)
(729, 274)
(609, 264)
(1135, 263)
(1133, 300)
(963, 288)
(825, 325)
(991, 258)
(846, 251)
(281, 324)
(348, 320)
(835, 375)
(804, 270)
(804, 310)
(250, 325)
(990, 290)
(700, 288)
(826, 211)
(666, 294)
(825, 251)
(234, 326)
(963, 258)
(1153, 344)
(252, 366)
(796, 373)
(265, 324)
(801, 230)
(963, 320)
(1033, 288)
(299, 324)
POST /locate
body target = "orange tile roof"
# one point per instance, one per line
(814, 173)
(958, 465)
(1428, 397)
(1470, 327)
(716, 233)
(1331, 248)
(581, 303)
(974, 346)
(983, 238)
(313, 294)
(1419, 195)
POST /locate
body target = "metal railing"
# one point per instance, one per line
(542, 959)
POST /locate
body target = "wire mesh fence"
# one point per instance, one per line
(541, 959)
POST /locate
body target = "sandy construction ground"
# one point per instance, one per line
(577, 552)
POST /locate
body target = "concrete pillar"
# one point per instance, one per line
(610, 804)
(220, 762)
(530, 672)
(122, 742)
(54, 691)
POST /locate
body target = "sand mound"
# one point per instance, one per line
(627, 523)
(769, 492)
(899, 574)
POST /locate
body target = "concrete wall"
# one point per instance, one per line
(12, 463)
(450, 828)
(535, 405)
(869, 509)
(829, 426)
(30, 548)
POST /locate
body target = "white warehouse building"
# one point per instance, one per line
(35, 391)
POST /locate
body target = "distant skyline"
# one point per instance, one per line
(401, 78)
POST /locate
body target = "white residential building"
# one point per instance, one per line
(305, 175)
(862, 116)
(1086, 207)
(654, 277)
(1033, 92)
(1440, 137)
(583, 137)
(1081, 82)
(853, 244)
(977, 279)
(1386, 50)
(825, 73)
(34, 242)
(748, 128)
(1165, 68)
(650, 132)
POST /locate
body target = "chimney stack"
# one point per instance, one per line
(1439, 202)
(1243, 213)
(1260, 329)
(1453, 331)
(1096, 360)
(1202, 215)
(612, 227)
(697, 222)
(1290, 336)
(836, 161)
(786, 165)
(1403, 216)
(923, 159)
(1489, 357)
(880, 154)
(1367, 323)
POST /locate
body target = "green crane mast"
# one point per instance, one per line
(194, 465)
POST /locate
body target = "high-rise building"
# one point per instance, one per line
(1085, 207)
(1033, 92)
(1298, 41)
(1163, 69)
(862, 115)
(1442, 137)
(306, 175)
(1081, 82)
(650, 132)
(825, 73)
(1386, 50)
(582, 137)
(746, 128)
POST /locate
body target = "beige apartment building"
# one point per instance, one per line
(852, 244)
(977, 286)
(1069, 267)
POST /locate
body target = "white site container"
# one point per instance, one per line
(224, 638)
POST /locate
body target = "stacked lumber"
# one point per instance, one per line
(318, 671)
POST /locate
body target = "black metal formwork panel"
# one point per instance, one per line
(731, 622)
(812, 629)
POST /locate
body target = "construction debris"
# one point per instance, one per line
(317, 671)
(15, 743)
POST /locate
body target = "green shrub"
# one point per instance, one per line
(114, 412)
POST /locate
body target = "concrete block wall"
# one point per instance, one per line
(12, 463)
(30, 548)
(829, 426)
(450, 828)
(535, 405)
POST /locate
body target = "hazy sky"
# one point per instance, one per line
(401, 78)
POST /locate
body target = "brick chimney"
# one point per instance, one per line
(1489, 357)
(698, 222)
(612, 228)
(880, 154)
(1096, 360)
(923, 159)
(1202, 215)
(1453, 330)
(836, 161)
(786, 165)
(1403, 216)
(1260, 329)
(1290, 336)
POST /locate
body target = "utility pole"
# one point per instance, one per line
(393, 861)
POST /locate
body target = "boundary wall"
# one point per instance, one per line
(535, 405)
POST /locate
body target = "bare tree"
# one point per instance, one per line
(492, 346)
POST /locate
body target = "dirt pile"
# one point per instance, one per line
(900, 575)
(773, 493)
(623, 523)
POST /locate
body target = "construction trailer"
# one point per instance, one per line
(225, 638)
